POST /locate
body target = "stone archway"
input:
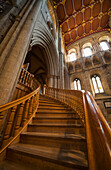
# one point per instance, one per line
(43, 39)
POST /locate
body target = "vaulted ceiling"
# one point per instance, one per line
(80, 18)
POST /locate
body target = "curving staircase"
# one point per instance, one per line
(54, 140)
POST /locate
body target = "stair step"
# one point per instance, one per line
(56, 128)
(56, 114)
(55, 120)
(52, 105)
(61, 140)
(54, 110)
(42, 157)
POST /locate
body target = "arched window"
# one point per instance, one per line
(104, 45)
(97, 85)
(77, 84)
(87, 51)
(72, 56)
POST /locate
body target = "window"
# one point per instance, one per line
(72, 56)
(104, 45)
(87, 51)
(97, 85)
(77, 84)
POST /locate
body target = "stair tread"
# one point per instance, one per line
(56, 124)
(45, 117)
(51, 108)
(56, 135)
(73, 157)
(56, 112)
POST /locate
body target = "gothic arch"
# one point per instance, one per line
(43, 38)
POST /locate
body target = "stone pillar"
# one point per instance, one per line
(79, 51)
(11, 68)
(55, 81)
(61, 70)
(50, 81)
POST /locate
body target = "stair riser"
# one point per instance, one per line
(52, 129)
(66, 115)
(56, 121)
(39, 163)
(51, 105)
(48, 101)
(54, 142)
(54, 111)
(53, 108)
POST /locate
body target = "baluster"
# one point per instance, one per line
(26, 111)
(28, 75)
(31, 82)
(1, 118)
(9, 125)
(36, 100)
(24, 78)
(18, 118)
(20, 77)
(34, 103)
(30, 107)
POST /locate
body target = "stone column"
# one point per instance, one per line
(79, 51)
(16, 54)
(61, 70)
(50, 81)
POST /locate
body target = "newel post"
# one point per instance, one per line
(44, 89)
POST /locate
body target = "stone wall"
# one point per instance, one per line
(97, 64)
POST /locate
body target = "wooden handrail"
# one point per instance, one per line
(18, 101)
(15, 115)
(98, 135)
(98, 132)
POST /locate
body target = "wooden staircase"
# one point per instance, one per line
(55, 140)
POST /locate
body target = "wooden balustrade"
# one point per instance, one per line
(26, 84)
(16, 114)
(26, 78)
(98, 132)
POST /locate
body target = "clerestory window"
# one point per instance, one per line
(72, 56)
(97, 85)
(87, 51)
(104, 45)
(77, 84)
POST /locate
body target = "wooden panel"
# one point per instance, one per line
(104, 21)
(69, 7)
(73, 34)
(86, 2)
(67, 38)
(79, 18)
(60, 12)
(95, 24)
(77, 4)
(64, 27)
(87, 14)
(71, 23)
(87, 27)
(96, 9)
(106, 5)
(80, 31)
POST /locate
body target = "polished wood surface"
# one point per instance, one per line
(15, 115)
(98, 132)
